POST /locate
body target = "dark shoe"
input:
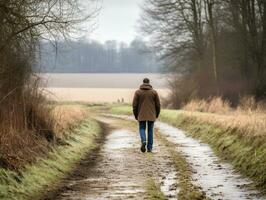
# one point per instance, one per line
(149, 151)
(143, 147)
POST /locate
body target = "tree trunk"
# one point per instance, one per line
(210, 4)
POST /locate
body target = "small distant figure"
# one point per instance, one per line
(146, 108)
(118, 100)
(122, 100)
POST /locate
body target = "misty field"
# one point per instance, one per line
(96, 95)
(99, 88)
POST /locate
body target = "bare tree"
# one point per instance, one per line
(212, 24)
(176, 30)
(39, 18)
(249, 19)
(218, 43)
(22, 25)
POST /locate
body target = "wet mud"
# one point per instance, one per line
(118, 170)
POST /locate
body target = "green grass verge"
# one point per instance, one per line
(120, 109)
(33, 181)
(247, 156)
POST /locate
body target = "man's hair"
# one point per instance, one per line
(146, 80)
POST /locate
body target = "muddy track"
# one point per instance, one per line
(216, 178)
(118, 170)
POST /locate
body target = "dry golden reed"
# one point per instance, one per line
(214, 105)
(21, 146)
(66, 116)
(249, 118)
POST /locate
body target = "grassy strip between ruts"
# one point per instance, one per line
(33, 181)
(153, 190)
(247, 156)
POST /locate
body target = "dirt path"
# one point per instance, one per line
(217, 179)
(120, 171)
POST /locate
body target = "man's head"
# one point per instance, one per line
(146, 80)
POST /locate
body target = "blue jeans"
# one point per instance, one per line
(142, 131)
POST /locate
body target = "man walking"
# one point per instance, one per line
(146, 108)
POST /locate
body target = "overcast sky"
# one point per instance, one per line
(117, 20)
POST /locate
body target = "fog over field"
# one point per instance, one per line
(85, 56)
(96, 87)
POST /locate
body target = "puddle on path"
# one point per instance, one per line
(121, 171)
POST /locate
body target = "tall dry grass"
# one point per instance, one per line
(213, 105)
(28, 126)
(248, 119)
(67, 116)
(32, 127)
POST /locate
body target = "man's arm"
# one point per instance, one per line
(157, 104)
(135, 105)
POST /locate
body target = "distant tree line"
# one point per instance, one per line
(85, 56)
(219, 46)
